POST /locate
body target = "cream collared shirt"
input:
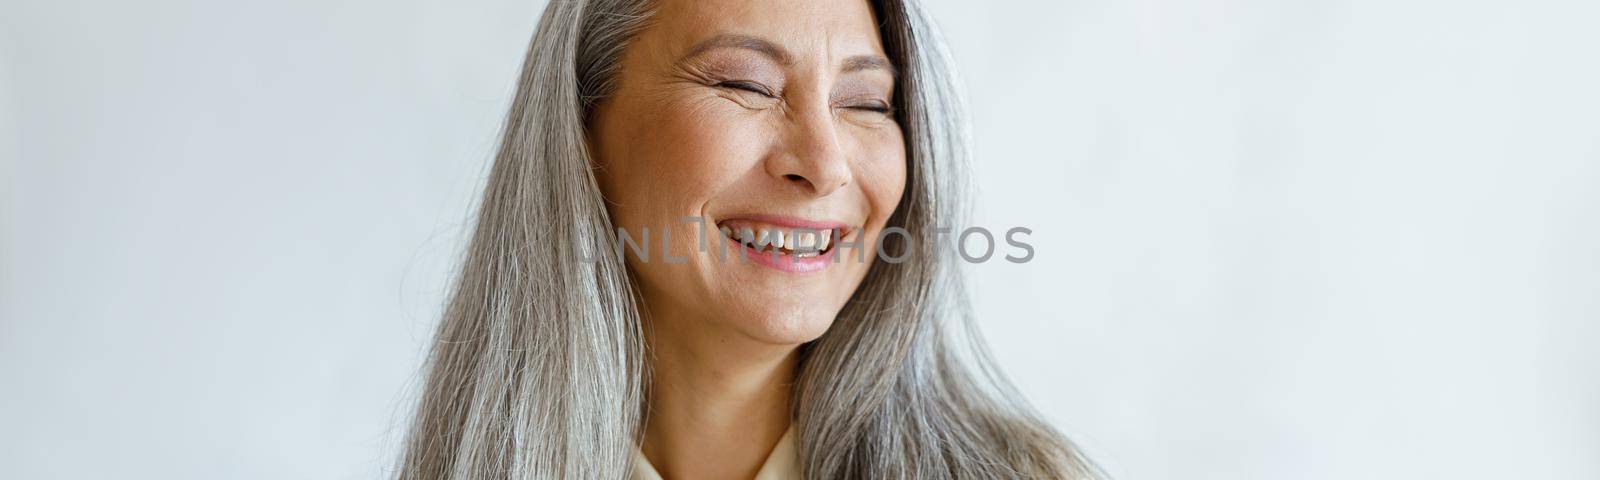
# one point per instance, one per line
(782, 464)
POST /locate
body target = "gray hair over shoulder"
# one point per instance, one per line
(538, 368)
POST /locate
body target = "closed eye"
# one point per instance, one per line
(751, 87)
(873, 107)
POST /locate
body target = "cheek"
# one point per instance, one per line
(666, 159)
(883, 172)
(707, 148)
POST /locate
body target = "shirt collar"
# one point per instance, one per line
(782, 464)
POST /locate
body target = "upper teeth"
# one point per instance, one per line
(769, 237)
(799, 240)
(803, 241)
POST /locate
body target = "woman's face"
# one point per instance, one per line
(755, 116)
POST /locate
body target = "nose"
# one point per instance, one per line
(811, 157)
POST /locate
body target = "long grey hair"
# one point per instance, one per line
(539, 366)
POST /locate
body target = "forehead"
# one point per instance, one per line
(829, 28)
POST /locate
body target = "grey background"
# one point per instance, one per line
(1275, 239)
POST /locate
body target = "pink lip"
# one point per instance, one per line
(792, 222)
(786, 263)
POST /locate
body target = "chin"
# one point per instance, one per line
(786, 324)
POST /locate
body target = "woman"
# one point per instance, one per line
(750, 318)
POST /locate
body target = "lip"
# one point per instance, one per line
(784, 263)
(791, 222)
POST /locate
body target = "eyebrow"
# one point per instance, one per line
(868, 62)
(778, 54)
(734, 40)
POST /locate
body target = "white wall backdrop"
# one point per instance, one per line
(1275, 239)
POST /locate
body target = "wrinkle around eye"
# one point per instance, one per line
(704, 93)
(747, 98)
(691, 83)
(748, 86)
(720, 102)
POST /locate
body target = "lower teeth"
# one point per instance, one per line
(780, 251)
(768, 250)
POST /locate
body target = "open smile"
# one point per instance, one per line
(785, 243)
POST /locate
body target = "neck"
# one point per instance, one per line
(719, 401)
